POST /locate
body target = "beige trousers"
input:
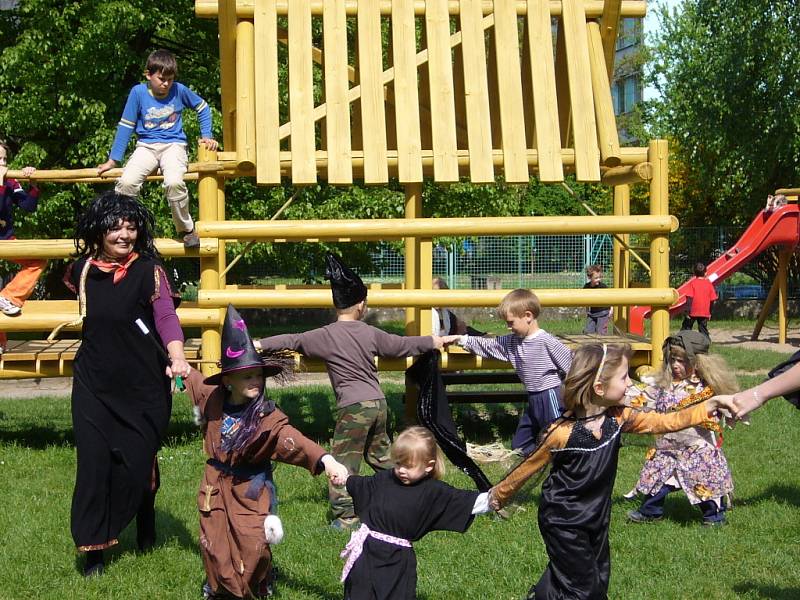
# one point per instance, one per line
(172, 160)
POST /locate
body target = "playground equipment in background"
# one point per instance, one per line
(775, 227)
(445, 110)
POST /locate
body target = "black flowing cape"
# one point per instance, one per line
(433, 412)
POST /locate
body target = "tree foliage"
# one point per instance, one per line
(727, 73)
(66, 69)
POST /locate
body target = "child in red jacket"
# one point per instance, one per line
(699, 301)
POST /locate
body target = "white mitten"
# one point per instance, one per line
(273, 529)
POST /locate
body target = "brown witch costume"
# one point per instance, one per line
(236, 492)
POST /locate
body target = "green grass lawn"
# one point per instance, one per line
(754, 556)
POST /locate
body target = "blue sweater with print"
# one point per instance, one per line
(158, 120)
(13, 195)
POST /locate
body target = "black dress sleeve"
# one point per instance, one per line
(360, 489)
(452, 508)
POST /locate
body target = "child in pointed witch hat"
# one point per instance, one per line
(243, 432)
(349, 347)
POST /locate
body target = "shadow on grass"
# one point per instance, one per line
(767, 591)
(309, 411)
(168, 527)
(786, 494)
(37, 437)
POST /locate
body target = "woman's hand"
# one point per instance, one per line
(335, 470)
(178, 368)
(494, 503)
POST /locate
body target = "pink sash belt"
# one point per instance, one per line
(356, 544)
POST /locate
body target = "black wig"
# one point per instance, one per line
(103, 214)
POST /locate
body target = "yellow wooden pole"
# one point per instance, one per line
(208, 190)
(783, 297)
(245, 95)
(413, 280)
(658, 156)
(622, 209)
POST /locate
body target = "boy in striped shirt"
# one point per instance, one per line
(153, 111)
(539, 359)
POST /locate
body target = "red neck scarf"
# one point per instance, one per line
(120, 269)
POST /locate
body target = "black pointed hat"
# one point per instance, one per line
(346, 286)
(239, 352)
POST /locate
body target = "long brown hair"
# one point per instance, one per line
(416, 446)
(587, 360)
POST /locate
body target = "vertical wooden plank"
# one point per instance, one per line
(301, 93)
(406, 98)
(607, 135)
(476, 90)
(268, 166)
(609, 27)
(509, 81)
(337, 118)
(584, 126)
(562, 85)
(527, 85)
(440, 73)
(370, 67)
(459, 95)
(546, 99)
(425, 115)
(227, 71)
(494, 88)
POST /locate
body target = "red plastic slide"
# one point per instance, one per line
(780, 227)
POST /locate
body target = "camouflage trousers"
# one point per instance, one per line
(360, 432)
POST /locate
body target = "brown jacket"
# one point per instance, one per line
(235, 552)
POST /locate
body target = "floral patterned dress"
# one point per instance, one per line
(691, 459)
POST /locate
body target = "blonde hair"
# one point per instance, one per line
(416, 446)
(712, 370)
(592, 363)
(517, 302)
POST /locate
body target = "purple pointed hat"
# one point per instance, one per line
(238, 350)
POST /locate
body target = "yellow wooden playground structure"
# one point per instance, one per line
(413, 90)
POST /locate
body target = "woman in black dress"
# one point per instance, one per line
(582, 448)
(121, 396)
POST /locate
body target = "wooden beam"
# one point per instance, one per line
(594, 8)
(628, 174)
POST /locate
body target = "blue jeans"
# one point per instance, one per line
(543, 408)
(653, 506)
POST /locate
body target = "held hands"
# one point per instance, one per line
(450, 339)
(106, 166)
(178, 368)
(335, 470)
(209, 143)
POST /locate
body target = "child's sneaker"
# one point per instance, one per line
(8, 307)
(191, 239)
(345, 524)
(637, 517)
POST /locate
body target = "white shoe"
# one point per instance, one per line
(8, 307)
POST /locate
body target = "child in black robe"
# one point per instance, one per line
(399, 506)
(583, 446)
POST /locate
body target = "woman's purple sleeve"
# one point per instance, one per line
(167, 323)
